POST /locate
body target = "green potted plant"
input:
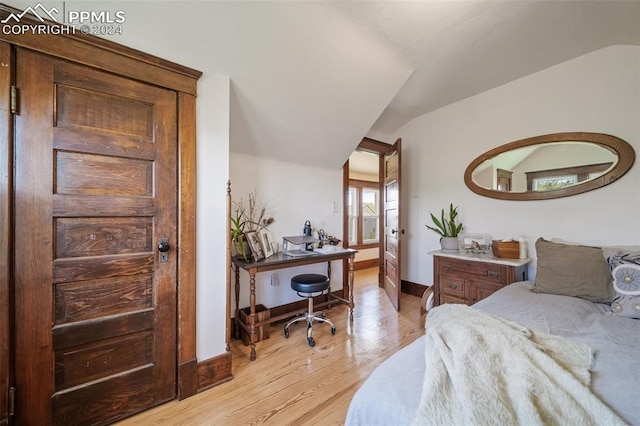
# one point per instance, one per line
(447, 228)
(238, 225)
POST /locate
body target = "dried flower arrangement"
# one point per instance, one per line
(248, 218)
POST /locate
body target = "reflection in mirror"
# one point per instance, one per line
(550, 166)
(544, 167)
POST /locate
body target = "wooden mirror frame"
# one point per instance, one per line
(626, 157)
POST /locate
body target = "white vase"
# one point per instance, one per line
(449, 243)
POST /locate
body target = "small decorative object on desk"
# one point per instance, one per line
(333, 241)
(506, 249)
(256, 248)
(265, 241)
(306, 231)
(475, 244)
(296, 245)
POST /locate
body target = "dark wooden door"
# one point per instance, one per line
(392, 227)
(95, 191)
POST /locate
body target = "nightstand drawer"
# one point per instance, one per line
(453, 286)
(495, 273)
(468, 279)
(449, 299)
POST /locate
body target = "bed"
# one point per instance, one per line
(393, 392)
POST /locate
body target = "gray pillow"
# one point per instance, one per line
(573, 270)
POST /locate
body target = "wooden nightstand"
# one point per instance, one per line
(467, 279)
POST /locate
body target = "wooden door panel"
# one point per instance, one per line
(391, 275)
(79, 364)
(82, 269)
(76, 109)
(78, 334)
(88, 174)
(392, 167)
(392, 227)
(391, 247)
(110, 144)
(96, 236)
(73, 206)
(85, 300)
(97, 185)
(101, 401)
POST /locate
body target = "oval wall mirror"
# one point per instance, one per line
(550, 166)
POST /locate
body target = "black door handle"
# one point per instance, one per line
(163, 247)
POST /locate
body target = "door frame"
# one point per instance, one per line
(127, 62)
(6, 222)
(380, 149)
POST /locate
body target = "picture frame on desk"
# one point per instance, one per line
(256, 247)
(475, 244)
(265, 240)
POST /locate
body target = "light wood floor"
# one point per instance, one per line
(292, 383)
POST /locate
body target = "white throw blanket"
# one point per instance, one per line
(484, 370)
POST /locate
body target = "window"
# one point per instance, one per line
(544, 180)
(556, 182)
(363, 213)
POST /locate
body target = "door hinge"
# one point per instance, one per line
(14, 100)
(12, 401)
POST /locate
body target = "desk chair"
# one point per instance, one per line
(308, 286)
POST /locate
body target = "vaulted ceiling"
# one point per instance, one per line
(461, 48)
(309, 79)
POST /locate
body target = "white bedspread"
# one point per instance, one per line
(391, 394)
(481, 370)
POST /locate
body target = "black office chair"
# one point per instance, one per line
(309, 286)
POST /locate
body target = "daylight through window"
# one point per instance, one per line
(363, 217)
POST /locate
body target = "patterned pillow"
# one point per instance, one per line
(625, 271)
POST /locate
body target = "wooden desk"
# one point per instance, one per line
(281, 261)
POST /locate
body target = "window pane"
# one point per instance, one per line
(545, 184)
(352, 208)
(369, 229)
(353, 238)
(370, 208)
(352, 211)
(369, 202)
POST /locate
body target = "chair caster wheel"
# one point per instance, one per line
(333, 331)
(286, 333)
(312, 342)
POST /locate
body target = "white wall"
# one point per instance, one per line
(293, 195)
(212, 165)
(598, 92)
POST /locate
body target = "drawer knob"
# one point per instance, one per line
(446, 267)
(493, 273)
(453, 286)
